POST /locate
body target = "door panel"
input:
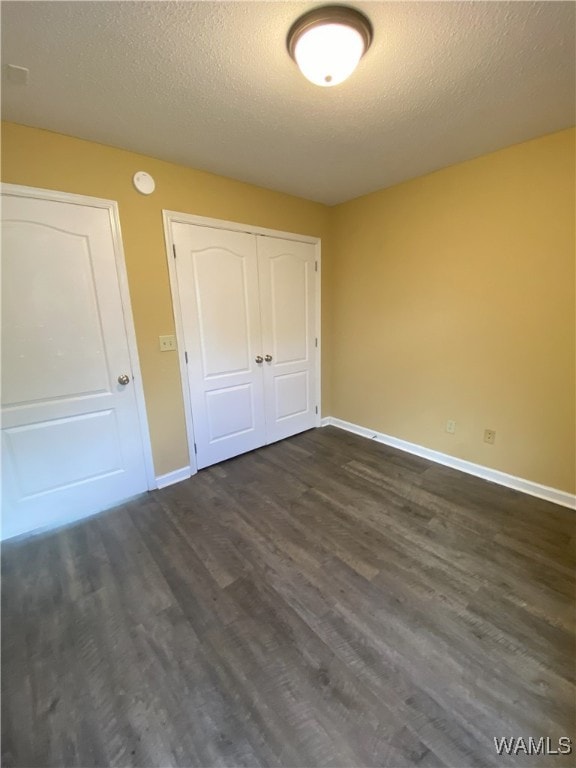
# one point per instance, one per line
(287, 302)
(71, 435)
(217, 274)
(45, 456)
(291, 395)
(221, 281)
(230, 411)
(54, 274)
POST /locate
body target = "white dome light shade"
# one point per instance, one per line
(328, 42)
(329, 53)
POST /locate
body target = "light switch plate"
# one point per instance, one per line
(167, 343)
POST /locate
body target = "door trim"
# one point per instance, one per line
(111, 206)
(176, 217)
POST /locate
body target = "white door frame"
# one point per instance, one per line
(112, 207)
(175, 217)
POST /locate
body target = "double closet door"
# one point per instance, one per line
(247, 306)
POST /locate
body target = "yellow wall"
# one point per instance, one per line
(48, 160)
(447, 297)
(453, 298)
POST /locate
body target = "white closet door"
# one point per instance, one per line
(287, 296)
(71, 436)
(218, 289)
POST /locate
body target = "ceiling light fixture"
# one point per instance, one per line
(327, 43)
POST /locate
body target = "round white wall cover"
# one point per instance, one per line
(144, 183)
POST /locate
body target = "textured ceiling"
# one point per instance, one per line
(210, 85)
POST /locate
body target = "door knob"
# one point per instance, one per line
(123, 379)
(259, 359)
(268, 358)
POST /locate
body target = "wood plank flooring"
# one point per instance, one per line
(324, 601)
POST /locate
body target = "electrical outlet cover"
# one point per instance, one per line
(489, 436)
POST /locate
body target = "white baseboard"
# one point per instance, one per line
(170, 478)
(492, 475)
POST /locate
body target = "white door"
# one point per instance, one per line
(287, 293)
(71, 436)
(218, 290)
(247, 312)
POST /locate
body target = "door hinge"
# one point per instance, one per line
(316, 409)
(186, 357)
(315, 266)
(195, 449)
(316, 341)
(174, 250)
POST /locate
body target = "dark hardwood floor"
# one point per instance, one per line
(324, 601)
